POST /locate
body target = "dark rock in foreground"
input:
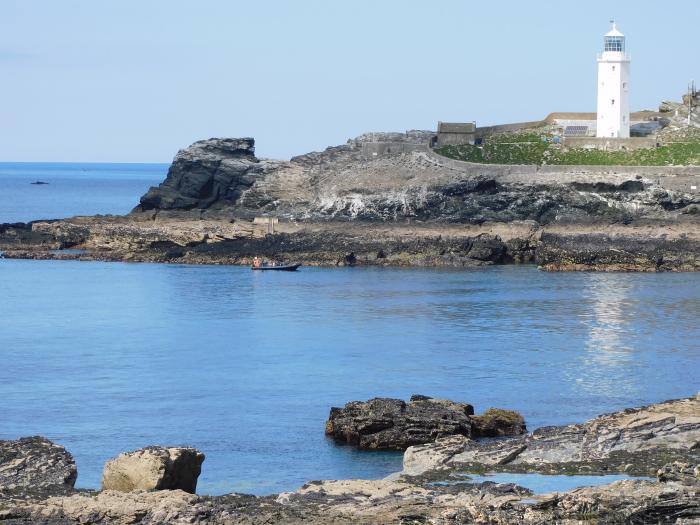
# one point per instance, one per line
(393, 424)
(35, 463)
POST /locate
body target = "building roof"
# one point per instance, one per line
(614, 31)
(456, 127)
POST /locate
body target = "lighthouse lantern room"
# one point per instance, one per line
(613, 87)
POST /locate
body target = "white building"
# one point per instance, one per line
(613, 87)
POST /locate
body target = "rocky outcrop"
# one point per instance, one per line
(623, 251)
(400, 502)
(208, 173)
(684, 473)
(393, 424)
(154, 468)
(224, 242)
(222, 177)
(35, 463)
(406, 208)
(441, 496)
(637, 441)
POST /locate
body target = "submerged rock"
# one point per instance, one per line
(393, 424)
(35, 463)
(154, 468)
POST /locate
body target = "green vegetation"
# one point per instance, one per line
(530, 148)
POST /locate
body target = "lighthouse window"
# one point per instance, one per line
(612, 102)
(614, 43)
(613, 68)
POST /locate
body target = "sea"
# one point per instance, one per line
(105, 357)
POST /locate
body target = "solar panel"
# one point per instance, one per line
(576, 131)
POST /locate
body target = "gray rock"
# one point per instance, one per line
(35, 463)
(154, 468)
(209, 171)
(684, 473)
(383, 423)
(222, 176)
(637, 441)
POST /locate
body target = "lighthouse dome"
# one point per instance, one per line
(614, 40)
(614, 31)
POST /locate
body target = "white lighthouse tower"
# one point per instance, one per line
(613, 87)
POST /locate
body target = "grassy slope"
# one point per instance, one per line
(528, 148)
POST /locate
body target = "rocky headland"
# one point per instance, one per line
(154, 485)
(388, 199)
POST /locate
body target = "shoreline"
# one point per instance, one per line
(431, 488)
(645, 246)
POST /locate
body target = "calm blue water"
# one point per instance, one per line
(107, 357)
(73, 189)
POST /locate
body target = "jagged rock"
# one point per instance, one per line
(209, 171)
(383, 423)
(564, 251)
(35, 463)
(637, 441)
(154, 468)
(222, 176)
(685, 473)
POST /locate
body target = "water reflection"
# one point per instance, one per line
(608, 354)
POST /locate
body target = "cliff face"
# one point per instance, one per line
(209, 172)
(222, 177)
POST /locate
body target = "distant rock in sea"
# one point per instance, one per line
(38, 183)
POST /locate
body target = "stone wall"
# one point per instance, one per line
(485, 131)
(454, 139)
(375, 149)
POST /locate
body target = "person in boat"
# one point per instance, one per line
(257, 263)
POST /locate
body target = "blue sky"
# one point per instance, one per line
(134, 81)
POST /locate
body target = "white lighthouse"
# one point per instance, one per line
(613, 87)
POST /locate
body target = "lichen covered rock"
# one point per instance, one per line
(496, 422)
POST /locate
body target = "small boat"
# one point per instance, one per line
(280, 267)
